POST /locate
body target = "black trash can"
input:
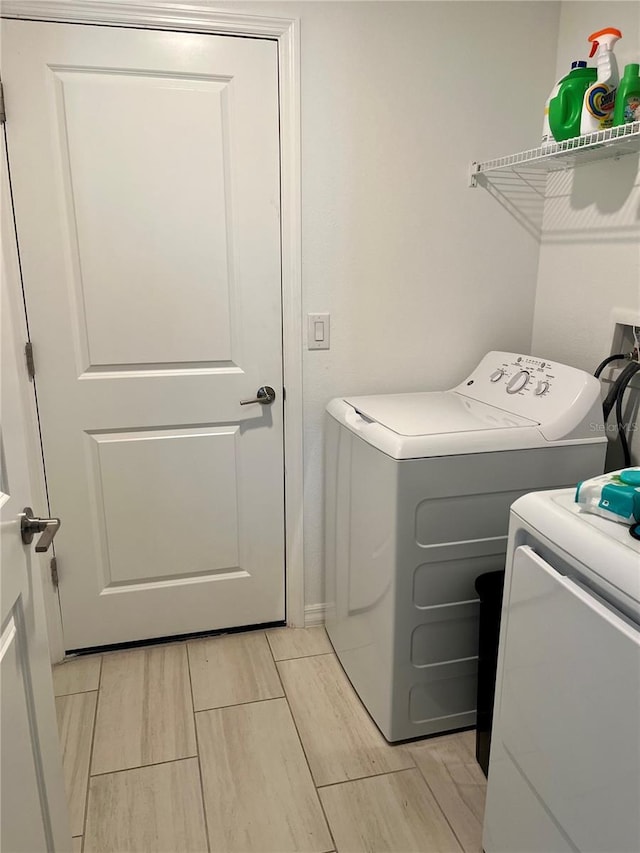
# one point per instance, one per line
(489, 588)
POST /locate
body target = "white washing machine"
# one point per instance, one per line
(564, 771)
(417, 495)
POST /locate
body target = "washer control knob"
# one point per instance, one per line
(542, 388)
(518, 381)
(497, 375)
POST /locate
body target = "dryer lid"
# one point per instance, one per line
(434, 413)
(603, 547)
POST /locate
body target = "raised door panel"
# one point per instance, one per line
(165, 504)
(145, 163)
(23, 828)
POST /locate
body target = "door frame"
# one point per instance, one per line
(286, 32)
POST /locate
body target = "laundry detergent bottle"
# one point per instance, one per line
(547, 136)
(599, 99)
(565, 110)
(627, 108)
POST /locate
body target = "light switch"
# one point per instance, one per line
(318, 331)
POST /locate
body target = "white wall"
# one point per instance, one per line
(590, 256)
(421, 274)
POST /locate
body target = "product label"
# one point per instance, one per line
(631, 111)
(600, 100)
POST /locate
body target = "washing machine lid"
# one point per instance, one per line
(604, 547)
(434, 413)
(509, 402)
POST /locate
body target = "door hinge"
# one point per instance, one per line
(54, 571)
(28, 354)
(3, 115)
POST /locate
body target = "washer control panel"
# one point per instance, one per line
(522, 374)
(526, 374)
(531, 387)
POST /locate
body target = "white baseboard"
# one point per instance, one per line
(314, 615)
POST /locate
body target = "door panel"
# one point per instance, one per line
(24, 823)
(134, 470)
(118, 175)
(145, 170)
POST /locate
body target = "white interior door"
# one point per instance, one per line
(145, 173)
(33, 812)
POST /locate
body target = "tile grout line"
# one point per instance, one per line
(139, 683)
(195, 730)
(297, 657)
(238, 665)
(371, 776)
(416, 767)
(93, 738)
(324, 813)
(364, 778)
(237, 704)
(441, 807)
(143, 766)
(75, 693)
(295, 726)
(304, 657)
(62, 663)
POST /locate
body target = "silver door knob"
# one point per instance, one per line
(29, 526)
(265, 396)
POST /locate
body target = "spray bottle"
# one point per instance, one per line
(599, 99)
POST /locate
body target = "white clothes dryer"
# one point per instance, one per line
(417, 495)
(564, 769)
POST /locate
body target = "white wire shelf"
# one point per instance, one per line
(603, 145)
(521, 182)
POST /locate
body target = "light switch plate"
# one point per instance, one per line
(318, 331)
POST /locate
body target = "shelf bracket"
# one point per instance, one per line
(474, 168)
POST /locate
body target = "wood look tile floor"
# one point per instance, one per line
(251, 743)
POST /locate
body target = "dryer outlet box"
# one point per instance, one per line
(623, 339)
